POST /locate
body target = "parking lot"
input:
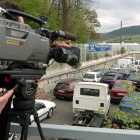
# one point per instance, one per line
(64, 115)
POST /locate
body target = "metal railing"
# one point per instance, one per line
(85, 55)
(80, 133)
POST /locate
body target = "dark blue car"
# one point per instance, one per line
(135, 78)
(130, 108)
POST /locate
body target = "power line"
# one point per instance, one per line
(109, 19)
(109, 28)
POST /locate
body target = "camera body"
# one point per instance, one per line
(25, 53)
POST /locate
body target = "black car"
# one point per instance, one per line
(125, 72)
(102, 71)
(135, 78)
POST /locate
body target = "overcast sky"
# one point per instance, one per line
(116, 10)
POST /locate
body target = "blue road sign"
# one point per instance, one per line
(99, 47)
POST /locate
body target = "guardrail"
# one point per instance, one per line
(81, 133)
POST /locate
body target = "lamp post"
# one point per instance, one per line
(129, 44)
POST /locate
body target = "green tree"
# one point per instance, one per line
(67, 15)
(122, 50)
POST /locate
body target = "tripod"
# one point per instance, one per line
(23, 118)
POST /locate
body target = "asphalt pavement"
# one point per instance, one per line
(64, 115)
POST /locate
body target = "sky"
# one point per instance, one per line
(111, 12)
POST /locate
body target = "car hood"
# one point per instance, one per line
(119, 90)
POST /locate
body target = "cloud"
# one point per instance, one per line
(111, 12)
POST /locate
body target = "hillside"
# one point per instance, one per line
(132, 30)
(129, 35)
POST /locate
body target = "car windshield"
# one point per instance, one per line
(131, 112)
(38, 106)
(62, 85)
(120, 86)
(107, 77)
(123, 71)
(115, 66)
(89, 76)
(133, 77)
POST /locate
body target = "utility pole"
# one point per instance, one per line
(121, 33)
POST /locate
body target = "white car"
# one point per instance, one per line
(92, 77)
(44, 109)
(115, 67)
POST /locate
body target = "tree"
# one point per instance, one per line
(68, 15)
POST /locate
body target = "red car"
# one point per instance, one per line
(65, 88)
(118, 90)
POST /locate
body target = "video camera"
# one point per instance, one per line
(25, 53)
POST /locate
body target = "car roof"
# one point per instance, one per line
(68, 81)
(120, 81)
(91, 83)
(127, 101)
(111, 74)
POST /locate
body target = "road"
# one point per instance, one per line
(64, 114)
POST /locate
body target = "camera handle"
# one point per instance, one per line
(23, 118)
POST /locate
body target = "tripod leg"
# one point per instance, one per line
(25, 128)
(7, 130)
(38, 125)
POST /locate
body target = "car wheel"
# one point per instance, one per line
(50, 113)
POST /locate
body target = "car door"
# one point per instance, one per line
(42, 111)
(98, 77)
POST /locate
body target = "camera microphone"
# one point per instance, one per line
(70, 36)
(63, 34)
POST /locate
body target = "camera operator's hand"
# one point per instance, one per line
(61, 43)
(4, 99)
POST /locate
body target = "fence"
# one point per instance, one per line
(85, 55)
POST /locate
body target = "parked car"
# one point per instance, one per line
(115, 67)
(65, 88)
(103, 71)
(137, 63)
(133, 68)
(126, 72)
(128, 108)
(118, 90)
(92, 77)
(44, 109)
(135, 78)
(111, 78)
(113, 71)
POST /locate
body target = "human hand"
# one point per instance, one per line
(61, 43)
(4, 99)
